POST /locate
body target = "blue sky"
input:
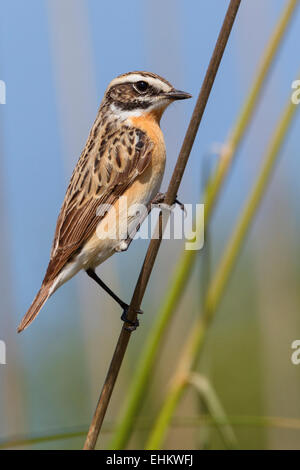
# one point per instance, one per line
(57, 58)
(57, 62)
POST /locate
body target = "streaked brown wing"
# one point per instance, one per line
(101, 176)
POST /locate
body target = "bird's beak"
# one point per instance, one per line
(177, 95)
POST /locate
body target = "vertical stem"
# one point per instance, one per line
(186, 262)
(196, 338)
(155, 243)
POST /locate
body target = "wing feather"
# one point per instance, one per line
(101, 176)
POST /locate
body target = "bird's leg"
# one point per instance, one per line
(133, 325)
(91, 273)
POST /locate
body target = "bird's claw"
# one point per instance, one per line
(159, 202)
(132, 324)
(182, 206)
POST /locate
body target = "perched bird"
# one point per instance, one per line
(124, 157)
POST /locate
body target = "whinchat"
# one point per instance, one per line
(124, 156)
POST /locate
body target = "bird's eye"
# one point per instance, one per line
(141, 86)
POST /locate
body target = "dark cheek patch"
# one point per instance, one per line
(126, 98)
(131, 105)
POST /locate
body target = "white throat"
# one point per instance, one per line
(123, 115)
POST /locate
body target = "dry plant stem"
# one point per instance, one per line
(197, 336)
(230, 149)
(155, 243)
(184, 267)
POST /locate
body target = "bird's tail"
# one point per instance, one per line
(41, 297)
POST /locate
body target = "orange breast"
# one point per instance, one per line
(149, 123)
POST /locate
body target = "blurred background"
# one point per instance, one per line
(57, 58)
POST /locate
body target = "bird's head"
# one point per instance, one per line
(137, 93)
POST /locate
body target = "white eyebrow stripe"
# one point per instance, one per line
(136, 77)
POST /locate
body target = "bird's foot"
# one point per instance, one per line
(132, 324)
(159, 199)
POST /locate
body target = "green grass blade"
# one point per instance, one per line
(195, 341)
(180, 277)
(178, 422)
(215, 409)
